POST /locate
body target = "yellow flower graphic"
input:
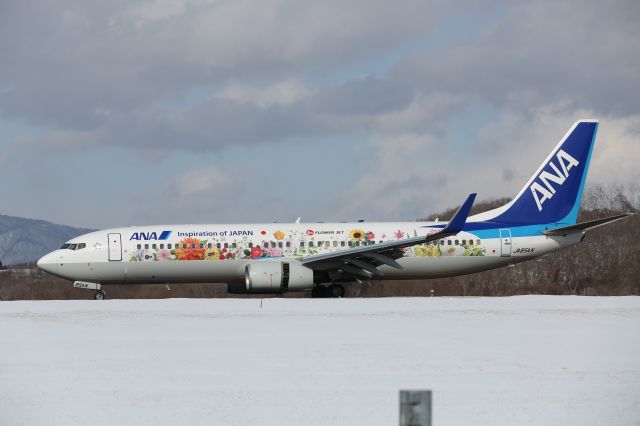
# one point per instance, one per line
(356, 234)
(211, 254)
(279, 235)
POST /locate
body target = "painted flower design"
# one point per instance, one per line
(189, 249)
(371, 236)
(275, 252)
(398, 234)
(278, 235)
(256, 252)
(141, 256)
(163, 255)
(211, 254)
(356, 234)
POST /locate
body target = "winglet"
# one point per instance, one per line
(458, 220)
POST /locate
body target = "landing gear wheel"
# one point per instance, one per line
(99, 295)
(335, 290)
(318, 292)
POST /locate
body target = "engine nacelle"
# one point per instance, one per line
(276, 277)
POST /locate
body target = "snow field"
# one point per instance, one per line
(528, 360)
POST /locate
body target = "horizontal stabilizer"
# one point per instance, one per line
(585, 226)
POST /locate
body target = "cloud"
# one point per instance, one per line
(413, 175)
(431, 99)
(542, 53)
(286, 92)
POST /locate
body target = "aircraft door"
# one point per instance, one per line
(115, 247)
(505, 242)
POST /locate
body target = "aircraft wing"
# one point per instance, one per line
(363, 261)
(584, 226)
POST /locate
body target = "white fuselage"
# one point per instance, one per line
(220, 253)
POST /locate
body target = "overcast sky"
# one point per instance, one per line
(145, 112)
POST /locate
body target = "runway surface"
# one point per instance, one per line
(529, 360)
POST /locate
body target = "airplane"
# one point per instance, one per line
(321, 257)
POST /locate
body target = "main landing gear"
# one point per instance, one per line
(333, 291)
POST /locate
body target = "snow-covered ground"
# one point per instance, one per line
(532, 360)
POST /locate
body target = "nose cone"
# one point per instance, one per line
(48, 262)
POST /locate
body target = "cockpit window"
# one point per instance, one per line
(72, 246)
(81, 246)
(65, 246)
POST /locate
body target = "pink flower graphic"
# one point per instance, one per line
(275, 252)
(163, 255)
(399, 234)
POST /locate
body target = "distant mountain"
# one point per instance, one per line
(26, 240)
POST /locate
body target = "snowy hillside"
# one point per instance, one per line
(531, 360)
(26, 240)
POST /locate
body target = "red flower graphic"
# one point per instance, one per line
(256, 252)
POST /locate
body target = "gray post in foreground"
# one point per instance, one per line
(415, 408)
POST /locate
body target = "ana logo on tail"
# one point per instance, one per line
(543, 193)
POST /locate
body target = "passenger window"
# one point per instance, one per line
(464, 242)
(146, 246)
(478, 242)
(280, 244)
(273, 244)
(201, 245)
(184, 246)
(250, 245)
(193, 245)
(350, 243)
(233, 245)
(265, 244)
(457, 242)
(209, 245)
(226, 245)
(288, 244)
(161, 246)
(169, 246)
(153, 246)
(139, 246)
(218, 245)
(448, 242)
(310, 243)
(342, 243)
(335, 244)
(301, 243)
(441, 242)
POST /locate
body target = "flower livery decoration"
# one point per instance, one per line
(356, 234)
(190, 249)
(163, 255)
(279, 243)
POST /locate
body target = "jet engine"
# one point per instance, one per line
(276, 277)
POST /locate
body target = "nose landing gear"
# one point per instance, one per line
(99, 295)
